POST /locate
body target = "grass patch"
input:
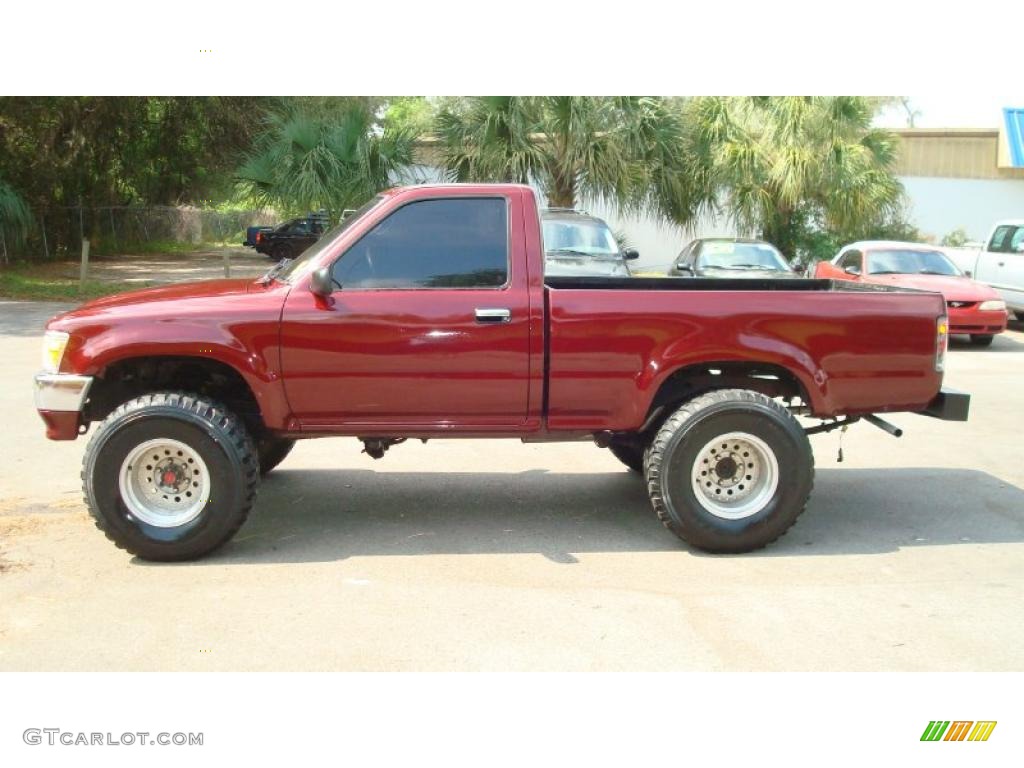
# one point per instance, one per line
(40, 285)
(149, 247)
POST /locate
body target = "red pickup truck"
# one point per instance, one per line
(426, 314)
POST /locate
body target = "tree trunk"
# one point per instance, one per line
(562, 193)
(780, 232)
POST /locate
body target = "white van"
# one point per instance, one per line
(1000, 263)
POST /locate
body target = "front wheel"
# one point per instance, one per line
(272, 451)
(982, 340)
(730, 471)
(170, 476)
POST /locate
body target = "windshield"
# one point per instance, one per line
(579, 237)
(291, 269)
(725, 254)
(909, 262)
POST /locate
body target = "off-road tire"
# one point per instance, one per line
(982, 339)
(272, 451)
(630, 454)
(207, 428)
(670, 461)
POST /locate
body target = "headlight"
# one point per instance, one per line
(54, 344)
(993, 305)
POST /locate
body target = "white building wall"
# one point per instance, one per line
(939, 205)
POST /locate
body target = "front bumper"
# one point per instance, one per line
(60, 398)
(975, 321)
(949, 405)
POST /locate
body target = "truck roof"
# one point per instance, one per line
(465, 186)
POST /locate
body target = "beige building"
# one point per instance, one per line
(959, 177)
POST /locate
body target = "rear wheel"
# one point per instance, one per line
(730, 471)
(280, 251)
(629, 453)
(272, 451)
(982, 340)
(170, 476)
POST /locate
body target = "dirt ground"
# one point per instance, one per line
(494, 555)
(169, 268)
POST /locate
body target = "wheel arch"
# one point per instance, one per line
(689, 381)
(125, 378)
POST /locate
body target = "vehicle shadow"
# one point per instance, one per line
(1004, 342)
(322, 515)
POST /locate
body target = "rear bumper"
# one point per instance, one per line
(59, 399)
(949, 405)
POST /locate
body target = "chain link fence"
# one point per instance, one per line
(114, 230)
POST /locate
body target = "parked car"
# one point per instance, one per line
(730, 257)
(252, 235)
(974, 308)
(576, 243)
(288, 240)
(999, 263)
(427, 314)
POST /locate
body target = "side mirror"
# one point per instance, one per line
(684, 268)
(630, 254)
(320, 282)
(852, 271)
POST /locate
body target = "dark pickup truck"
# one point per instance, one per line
(427, 314)
(287, 240)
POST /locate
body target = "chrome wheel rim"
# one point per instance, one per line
(164, 483)
(735, 475)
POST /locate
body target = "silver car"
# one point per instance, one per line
(578, 244)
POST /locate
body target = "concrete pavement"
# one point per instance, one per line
(493, 555)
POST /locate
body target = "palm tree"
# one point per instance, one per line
(783, 162)
(15, 218)
(634, 152)
(309, 158)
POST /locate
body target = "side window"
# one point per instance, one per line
(850, 259)
(999, 242)
(1017, 241)
(445, 243)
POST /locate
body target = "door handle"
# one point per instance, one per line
(493, 315)
(1002, 263)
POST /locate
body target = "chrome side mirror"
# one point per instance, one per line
(321, 283)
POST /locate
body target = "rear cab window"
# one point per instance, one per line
(1000, 242)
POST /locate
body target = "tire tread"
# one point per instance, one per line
(214, 413)
(655, 456)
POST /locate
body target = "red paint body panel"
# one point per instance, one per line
(61, 425)
(416, 363)
(233, 321)
(854, 352)
(373, 361)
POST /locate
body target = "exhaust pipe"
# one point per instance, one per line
(885, 426)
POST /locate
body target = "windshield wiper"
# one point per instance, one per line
(274, 271)
(568, 252)
(886, 272)
(933, 272)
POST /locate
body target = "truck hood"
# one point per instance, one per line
(168, 300)
(952, 288)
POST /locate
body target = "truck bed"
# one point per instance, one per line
(612, 342)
